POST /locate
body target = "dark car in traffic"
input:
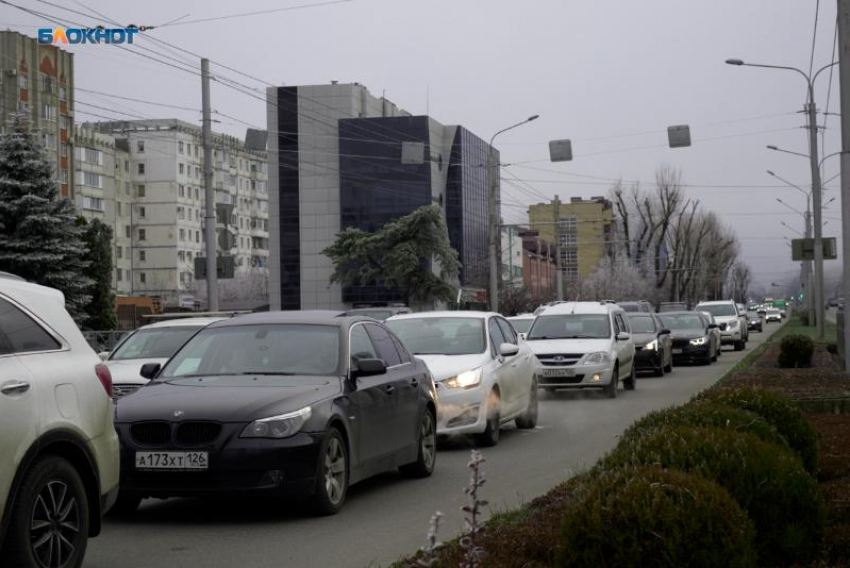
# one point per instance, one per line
(653, 344)
(638, 306)
(693, 337)
(299, 404)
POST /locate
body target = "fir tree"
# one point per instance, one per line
(39, 238)
(101, 309)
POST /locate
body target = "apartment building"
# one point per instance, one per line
(37, 81)
(164, 225)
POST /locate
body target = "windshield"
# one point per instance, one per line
(683, 321)
(718, 309)
(521, 325)
(271, 349)
(441, 336)
(772, 311)
(642, 324)
(631, 307)
(155, 343)
(379, 315)
(571, 326)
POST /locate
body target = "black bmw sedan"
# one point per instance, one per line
(693, 337)
(299, 404)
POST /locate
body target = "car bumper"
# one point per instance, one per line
(239, 465)
(773, 318)
(646, 360)
(731, 336)
(691, 353)
(461, 411)
(586, 376)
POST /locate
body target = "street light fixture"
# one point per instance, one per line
(493, 169)
(811, 110)
(790, 228)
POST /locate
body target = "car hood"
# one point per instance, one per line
(725, 319)
(547, 346)
(447, 366)
(688, 333)
(644, 338)
(127, 371)
(224, 399)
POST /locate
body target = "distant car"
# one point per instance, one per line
(653, 344)
(484, 374)
(833, 302)
(754, 321)
(773, 314)
(693, 340)
(581, 345)
(379, 313)
(60, 458)
(672, 307)
(297, 404)
(726, 312)
(640, 306)
(154, 343)
(522, 323)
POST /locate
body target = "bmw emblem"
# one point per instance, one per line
(178, 413)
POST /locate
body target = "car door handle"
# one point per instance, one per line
(389, 389)
(15, 388)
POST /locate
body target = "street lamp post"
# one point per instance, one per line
(495, 232)
(816, 182)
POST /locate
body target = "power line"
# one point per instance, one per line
(814, 39)
(258, 13)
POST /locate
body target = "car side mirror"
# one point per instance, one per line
(623, 336)
(104, 355)
(369, 367)
(150, 370)
(664, 332)
(712, 326)
(508, 349)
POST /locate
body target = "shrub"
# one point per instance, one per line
(832, 348)
(707, 414)
(796, 351)
(779, 412)
(767, 481)
(647, 516)
(804, 318)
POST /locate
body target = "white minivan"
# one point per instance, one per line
(583, 345)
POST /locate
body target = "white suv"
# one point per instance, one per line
(583, 345)
(733, 323)
(59, 451)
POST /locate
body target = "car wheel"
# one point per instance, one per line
(739, 345)
(49, 524)
(528, 420)
(631, 382)
(493, 431)
(669, 367)
(611, 389)
(716, 354)
(659, 372)
(126, 504)
(427, 456)
(331, 475)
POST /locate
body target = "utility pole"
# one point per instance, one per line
(844, 78)
(493, 171)
(209, 191)
(559, 274)
(816, 206)
(807, 271)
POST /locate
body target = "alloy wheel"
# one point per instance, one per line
(335, 471)
(428, 436)
(54, 525)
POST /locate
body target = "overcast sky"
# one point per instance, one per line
(610, 75)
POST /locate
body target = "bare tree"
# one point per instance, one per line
(739, 282)
(617, 280)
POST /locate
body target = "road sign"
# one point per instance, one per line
(226, 239)
(225, 267)
(561, 150)
(804, 249)
(679, 136)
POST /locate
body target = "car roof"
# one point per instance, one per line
(314, 317)
(444, 314)
(679, 313)
(641, 314)
(716, 303)
(581, 308)
(182, 322)
(522, 316)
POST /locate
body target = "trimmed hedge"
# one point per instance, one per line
(711, 414)
(780, 412)
(646, 517)
(768, 482)
(795, 351)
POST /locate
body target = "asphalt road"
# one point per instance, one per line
(387, 517)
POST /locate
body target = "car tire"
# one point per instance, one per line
(493, 430)
(528, 420)
(610, 390)
(631, 382)
(659, 371)
(740, 345)
(426, 456)
(669, 367)
(331, 475)
(126, 504)
(716, 355)
(50, 478)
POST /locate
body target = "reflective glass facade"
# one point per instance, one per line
(290, 224)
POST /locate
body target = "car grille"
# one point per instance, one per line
(545, 381)
(119, 391)
(680, 343)
(559, 359)
(197, 433)
(151, 433)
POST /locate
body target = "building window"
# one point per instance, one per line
(143, 256)
(63, 176)
(140, 191)
(180, 147)
(181, 212)
(93, 203)
(119, 252)
(181, 256)
(49, 140)
(181, 190)
(142, 235)
(63, 150)
(92, 179)
(48, 111)
(181, 168)
(23, 81)
(47, 84)
(127, 232)
(142, 212)
(569, 257)
(197, 193)
(118, 274)
(92, 156)
(197, 173)
(142, 277)
(63, 93)
(182, 234)
(141, 169)
(140, 146)
(64, 122)
(571, 273)
(197, 236)
(196, 150)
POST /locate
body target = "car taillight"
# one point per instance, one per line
(102, 372)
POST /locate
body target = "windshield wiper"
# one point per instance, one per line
(269, 373)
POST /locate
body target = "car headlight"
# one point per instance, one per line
(465, 380)
(282, 426)
(733, 324)
(652, 345)
(698, 341)
(597, 358)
